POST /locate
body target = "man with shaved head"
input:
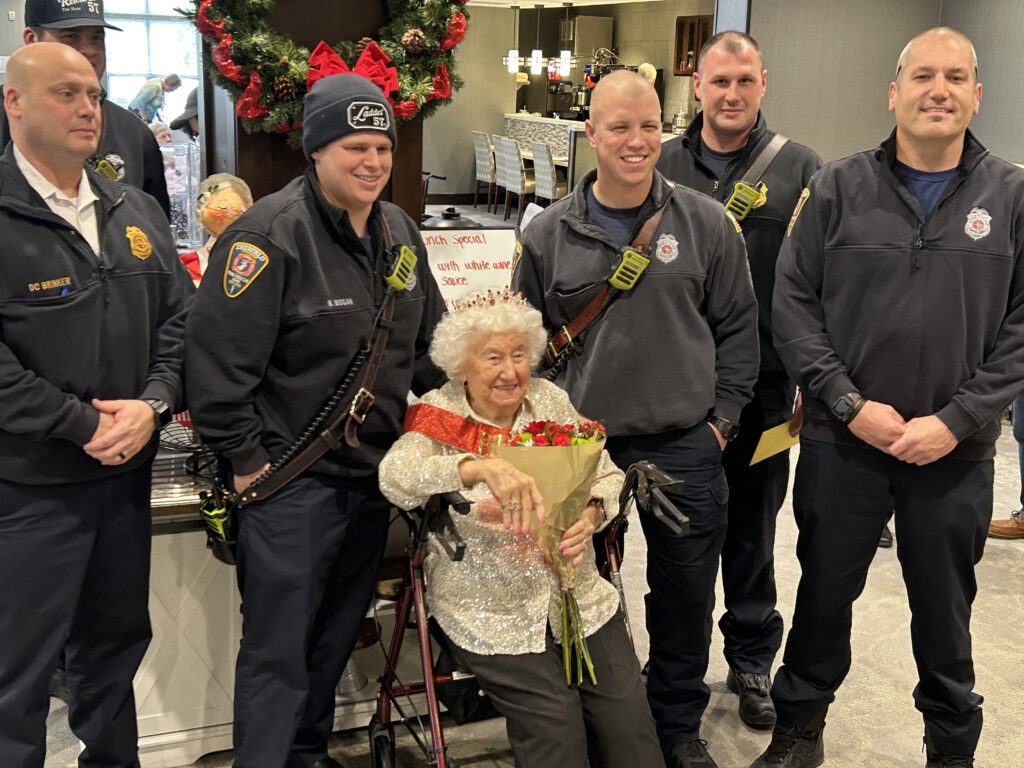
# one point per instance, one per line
(899, 311)
(92, 301)
(667, 366)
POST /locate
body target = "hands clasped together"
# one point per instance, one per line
(125, 429)
(518, 496)
(919, 441)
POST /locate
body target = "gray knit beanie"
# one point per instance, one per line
(338, 105)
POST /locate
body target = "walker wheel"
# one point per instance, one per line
(382, 744)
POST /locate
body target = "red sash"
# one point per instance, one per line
(454, 430)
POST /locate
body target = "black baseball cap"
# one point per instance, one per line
(62, 14)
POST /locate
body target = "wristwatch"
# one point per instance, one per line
(161, 411)
(599, 503)
(848, 406)
(728, 429)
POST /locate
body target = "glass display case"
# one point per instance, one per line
(182, 173)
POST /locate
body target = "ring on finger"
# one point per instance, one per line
(512, 505)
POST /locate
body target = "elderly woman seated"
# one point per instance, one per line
(500, 606)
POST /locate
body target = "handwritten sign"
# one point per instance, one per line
(468, 261)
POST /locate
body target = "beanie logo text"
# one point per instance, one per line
(366, 115)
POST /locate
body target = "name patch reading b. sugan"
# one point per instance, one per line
(365, 115)
(245, 262)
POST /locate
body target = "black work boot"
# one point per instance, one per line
(935, 760)
(756, 707)
(795, 746)
(692, 754)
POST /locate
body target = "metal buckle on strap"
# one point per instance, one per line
(361, 404)
(556, 351)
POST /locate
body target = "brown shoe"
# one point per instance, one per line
(1007, 529)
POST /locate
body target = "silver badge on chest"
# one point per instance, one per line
(666, 249)
(979, 223)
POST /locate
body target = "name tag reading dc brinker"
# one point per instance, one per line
(364, 115)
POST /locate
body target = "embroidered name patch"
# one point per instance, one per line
(979, 223)
(138, 241)
(796, 211)
(245, 262)
(365, 115)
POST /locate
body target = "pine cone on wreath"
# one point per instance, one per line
(363, 42)
(284, 88)
(414, 41)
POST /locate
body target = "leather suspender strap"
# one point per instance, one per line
(328, 439)
(764, 159)
(564, 336)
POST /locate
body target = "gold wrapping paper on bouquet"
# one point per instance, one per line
(564, 475)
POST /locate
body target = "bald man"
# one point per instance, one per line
(92, 301)
(667, 367)
(899, 311)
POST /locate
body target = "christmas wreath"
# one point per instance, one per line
(267, 74)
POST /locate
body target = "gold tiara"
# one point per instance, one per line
(490, 299)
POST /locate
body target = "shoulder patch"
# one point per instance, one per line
(796, 211)
(735, 223)
(245, 262)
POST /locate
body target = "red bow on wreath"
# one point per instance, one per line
(371, 64)
(221, 56)
(455, 32)
(205, 24)
(442, 87)
(248, 103)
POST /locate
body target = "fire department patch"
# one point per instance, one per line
(138, 242)
(979, 223)
(245, 262)
(796, 211)
(667, 248)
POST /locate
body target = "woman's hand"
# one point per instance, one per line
(516, 492)
(574, 541)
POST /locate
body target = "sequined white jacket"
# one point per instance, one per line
(502, 596)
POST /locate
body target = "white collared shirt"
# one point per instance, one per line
(79, 212)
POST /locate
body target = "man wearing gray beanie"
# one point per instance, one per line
(288, 300)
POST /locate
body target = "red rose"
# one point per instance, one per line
(562, 439)
(535, 427)
(540, 440)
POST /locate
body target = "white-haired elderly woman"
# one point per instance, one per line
(500, 606)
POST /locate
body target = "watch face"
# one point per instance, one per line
(842, 407)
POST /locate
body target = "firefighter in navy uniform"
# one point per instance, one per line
(667, 368)
(127, 150)
(289, 298)
(725, 140)
(92, 302)
(899, 310)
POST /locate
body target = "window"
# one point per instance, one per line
(155, 42)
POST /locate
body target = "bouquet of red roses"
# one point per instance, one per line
(564, 473)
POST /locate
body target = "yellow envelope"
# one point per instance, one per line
(773, 441)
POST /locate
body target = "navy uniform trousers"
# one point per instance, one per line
(74, 570)
(681, 573)
(307, 564)
(751, 626)
(841, 499)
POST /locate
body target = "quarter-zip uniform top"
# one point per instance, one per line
(688, 327)
(923, 314)
(71, 325)
(764, 226)
(295, 328)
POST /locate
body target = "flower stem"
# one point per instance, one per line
(581, 640)
(566, 639)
